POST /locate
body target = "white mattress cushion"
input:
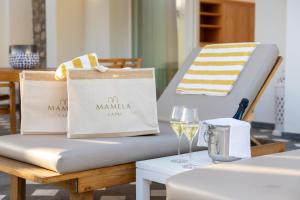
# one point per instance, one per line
(271, 177)
(57, 153)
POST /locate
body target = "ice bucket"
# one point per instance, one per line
(218, 140)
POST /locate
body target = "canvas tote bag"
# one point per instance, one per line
(115, 103)
(44, 103)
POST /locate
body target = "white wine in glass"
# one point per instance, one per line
(190, 130)
(175, 123)
(176, 126)
(190, 127)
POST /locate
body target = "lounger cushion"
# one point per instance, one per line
(271, 177)
(248, 85)
(57, 153)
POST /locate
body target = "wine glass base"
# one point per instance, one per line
(189, 166)
(179, 160)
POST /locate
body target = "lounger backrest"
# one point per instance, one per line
(248, 86)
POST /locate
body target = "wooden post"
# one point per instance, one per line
(81, 196)
(18, 188)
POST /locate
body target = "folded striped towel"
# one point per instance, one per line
(88, 61)
(216, 69)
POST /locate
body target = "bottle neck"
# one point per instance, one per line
(242, 107)
(239, 113)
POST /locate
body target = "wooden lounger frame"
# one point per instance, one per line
(82, 184)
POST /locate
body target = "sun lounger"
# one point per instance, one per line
(270, 177)
(82, 166)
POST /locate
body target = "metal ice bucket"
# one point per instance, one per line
(218, 140)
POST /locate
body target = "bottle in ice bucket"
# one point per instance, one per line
(242, 107)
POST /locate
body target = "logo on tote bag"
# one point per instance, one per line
(113, 107)
(59, 109)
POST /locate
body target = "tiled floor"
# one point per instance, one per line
(48, 192)
(124, 192)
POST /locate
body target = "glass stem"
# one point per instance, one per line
(190, 154)
(179, 141)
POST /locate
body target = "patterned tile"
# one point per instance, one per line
(45, 192)
(264, 130)
(280, 140)
(2, 197)
(158, 193)
(31, 183)
(261, 136)
(297, 144)
(113, 198)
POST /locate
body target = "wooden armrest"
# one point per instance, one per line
(3, 97)
(4, 85)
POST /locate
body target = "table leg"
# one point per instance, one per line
(12, 106)
(142, 186)
(18, 188)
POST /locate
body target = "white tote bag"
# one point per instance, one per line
(115, 103)
(44, 103)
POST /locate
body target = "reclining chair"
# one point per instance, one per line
(84, 165)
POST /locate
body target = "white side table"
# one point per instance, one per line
(160, 169)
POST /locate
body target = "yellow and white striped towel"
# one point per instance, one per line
(88, 61)
(216, 69)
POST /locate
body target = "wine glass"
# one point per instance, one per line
(190, 127)
(175, 123)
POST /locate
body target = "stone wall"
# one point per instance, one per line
(39, 28)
